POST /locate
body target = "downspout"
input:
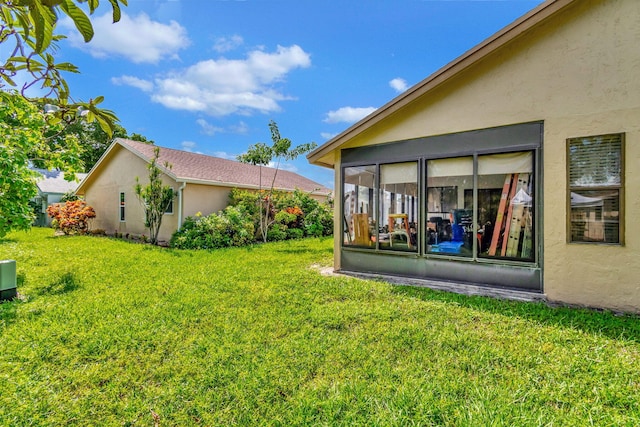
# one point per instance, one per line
(180, 202)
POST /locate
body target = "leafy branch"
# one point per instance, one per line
(28, 28)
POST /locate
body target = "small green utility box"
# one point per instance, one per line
(8, 281)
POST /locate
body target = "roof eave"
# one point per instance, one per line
(239, 185)
(162, 168)
(453, 68)
(116, 142)
(80, 189)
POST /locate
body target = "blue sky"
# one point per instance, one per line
(207, 76)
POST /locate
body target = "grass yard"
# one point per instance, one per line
(115, 333)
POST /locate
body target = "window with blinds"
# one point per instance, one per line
(122, 207)
(596, 171)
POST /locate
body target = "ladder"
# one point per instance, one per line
(497, 226)
(511, 219)
(510, 244)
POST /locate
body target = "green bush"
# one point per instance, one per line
(277, 232)
(230, 227)
(248, 200)
(295, 233)
(319, 221)
(287, 212)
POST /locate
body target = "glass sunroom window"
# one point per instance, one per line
(399, 206)
(449, 223)
(359, 222)
(595, 188)
(506, 223)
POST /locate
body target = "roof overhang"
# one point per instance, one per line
(321, 156)
(243, 186)
(104, 159)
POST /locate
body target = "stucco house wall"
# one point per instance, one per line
(577, 72)
(103, 193)
(204, 199)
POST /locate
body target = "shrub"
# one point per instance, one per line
(287, 211)
(277, 232)
(295, 233)
(319, 221)
(230, 227)
(71, 217)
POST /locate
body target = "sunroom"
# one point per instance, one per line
(461, 207)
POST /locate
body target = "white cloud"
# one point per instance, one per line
(240, 128)
(139, 39)
(231, 86)
(224, 155)
(189, 146)
(226, 44)
(208, 128)
(289, 167)
(398, 84)
(143, 85)
(327, 135)
(22, 79)
(348, 114)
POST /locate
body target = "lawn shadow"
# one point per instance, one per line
(8, 312)
(66, 283)
(5, 241)
(625, 327)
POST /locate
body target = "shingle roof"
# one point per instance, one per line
(53, 182)
(207, 169)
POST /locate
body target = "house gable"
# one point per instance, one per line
(116, 174)
(575, 73)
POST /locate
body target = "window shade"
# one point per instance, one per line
(595, 161)
(500, 164)
(399, 173)
(458, 166)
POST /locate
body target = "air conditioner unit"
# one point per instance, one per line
(8, 280)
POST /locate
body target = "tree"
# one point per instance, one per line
(93, 140)
(261, 154)
(27, 32)
(21, 133)
(155, 197)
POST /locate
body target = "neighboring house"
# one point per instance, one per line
(516, 166)
(202, 184)
(51, 187)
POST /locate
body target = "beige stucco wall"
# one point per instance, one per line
(578, 72)
(205, 199)
(117, 175)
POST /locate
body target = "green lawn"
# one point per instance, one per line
(111, 333)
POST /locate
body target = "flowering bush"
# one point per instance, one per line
(71, 217)
(291, 215)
